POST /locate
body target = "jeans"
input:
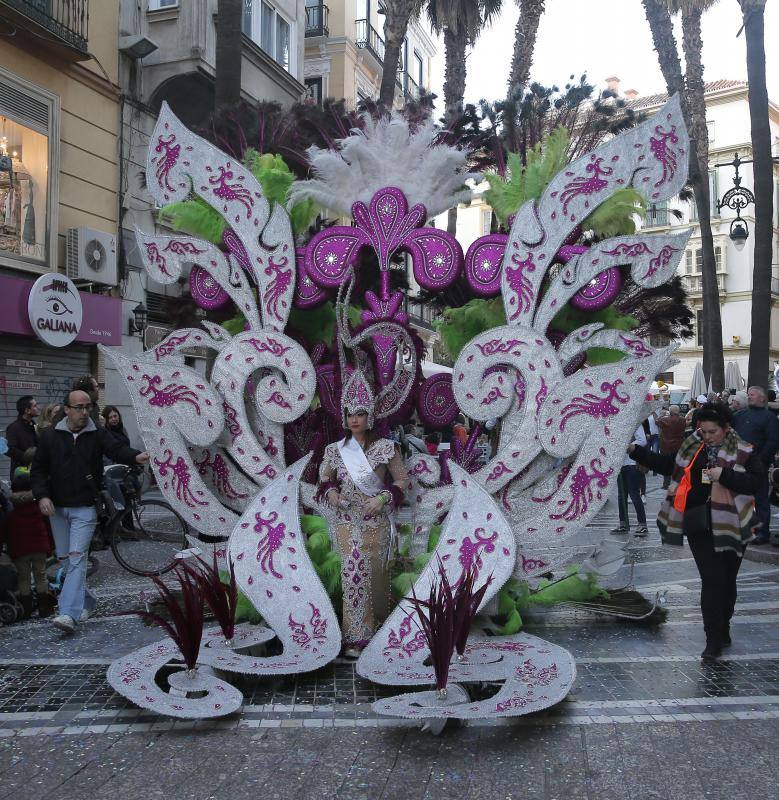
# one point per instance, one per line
(763, 508)
(73, 529)
(629, 485)
(718, 573)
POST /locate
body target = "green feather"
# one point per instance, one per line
(512, 625)
(194, 217)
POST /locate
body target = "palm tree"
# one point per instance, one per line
(753, 12)
(227, 91)
(461, 22)
(530, 12)
(397, 14)
(690, 86)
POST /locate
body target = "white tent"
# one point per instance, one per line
(698, 382)
(733, 379)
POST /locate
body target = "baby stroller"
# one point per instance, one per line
(10, 608)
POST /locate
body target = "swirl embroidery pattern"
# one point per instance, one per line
(594, 406)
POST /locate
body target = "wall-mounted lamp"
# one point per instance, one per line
(137, 324)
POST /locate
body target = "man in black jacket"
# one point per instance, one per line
(758, 426)
(65, 478)
(20, 434)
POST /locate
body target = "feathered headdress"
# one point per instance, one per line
(387, 153)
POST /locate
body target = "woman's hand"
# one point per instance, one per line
(714, 473)
(374, 506)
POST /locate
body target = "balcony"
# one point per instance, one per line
(62, 23)
(367, 37)
(316, 20)
(412, 87)
(693, 284)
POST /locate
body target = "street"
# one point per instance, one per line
(646, 718)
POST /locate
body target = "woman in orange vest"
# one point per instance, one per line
(710, 501)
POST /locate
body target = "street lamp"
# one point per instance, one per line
(137, 325)
(737, 199)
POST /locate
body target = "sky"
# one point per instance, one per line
(605, 38)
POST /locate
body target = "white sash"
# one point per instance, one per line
(359, 469)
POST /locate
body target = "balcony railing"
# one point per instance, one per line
(367, 37)
(693, 284)
(317, 20)
(412, 87)
(68, 20)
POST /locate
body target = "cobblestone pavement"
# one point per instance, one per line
(646, 718)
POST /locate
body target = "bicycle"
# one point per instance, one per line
(144, 534)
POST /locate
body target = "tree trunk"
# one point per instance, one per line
(455, 44)
(762, 169)
(662, 29)
(227, 91)
(396, 17)
(530, 12)
(713, 356)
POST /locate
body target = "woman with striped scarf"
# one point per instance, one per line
(710, 501)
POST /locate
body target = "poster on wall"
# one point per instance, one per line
(55, 310)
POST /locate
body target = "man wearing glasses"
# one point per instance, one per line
(66, 476)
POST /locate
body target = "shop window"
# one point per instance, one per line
(27, 145)
(486, 221)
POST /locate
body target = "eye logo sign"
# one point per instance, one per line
(55, 311)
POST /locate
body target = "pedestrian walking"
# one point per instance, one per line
(47, 417)
(671, 429)
(710, 501)
(21, 434)
(758, 426)
(27, 535)
(66, 475)
(629, 485)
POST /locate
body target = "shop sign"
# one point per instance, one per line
(55, 310)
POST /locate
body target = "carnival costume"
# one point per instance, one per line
(359, 473)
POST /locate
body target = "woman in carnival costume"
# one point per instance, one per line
(354, 482)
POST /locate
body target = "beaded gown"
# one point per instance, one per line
(363, 541)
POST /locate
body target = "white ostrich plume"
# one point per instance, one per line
(387, 153)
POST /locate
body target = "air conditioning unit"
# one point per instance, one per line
(90, 256)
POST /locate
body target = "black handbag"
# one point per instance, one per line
(697, 519)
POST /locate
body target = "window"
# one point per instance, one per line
(714, 193)
(314, 87)
(658, 215)
(688, 257)
(710, 130)
(27, 147)
(156, 5)
(486, 221)
(699, 328)
(282, 41)
(699, 260)
(265, 26)
(418, 75)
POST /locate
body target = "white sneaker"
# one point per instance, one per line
(65, 623)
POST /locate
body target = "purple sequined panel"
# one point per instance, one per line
(205, 291)
(435, 401)
(482, 264)
(599, 292)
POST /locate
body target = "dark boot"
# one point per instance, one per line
(26, 601)
(45, 605)
(713, 649)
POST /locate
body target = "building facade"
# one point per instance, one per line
(344, 52)
(59, 186)
(728, 123)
